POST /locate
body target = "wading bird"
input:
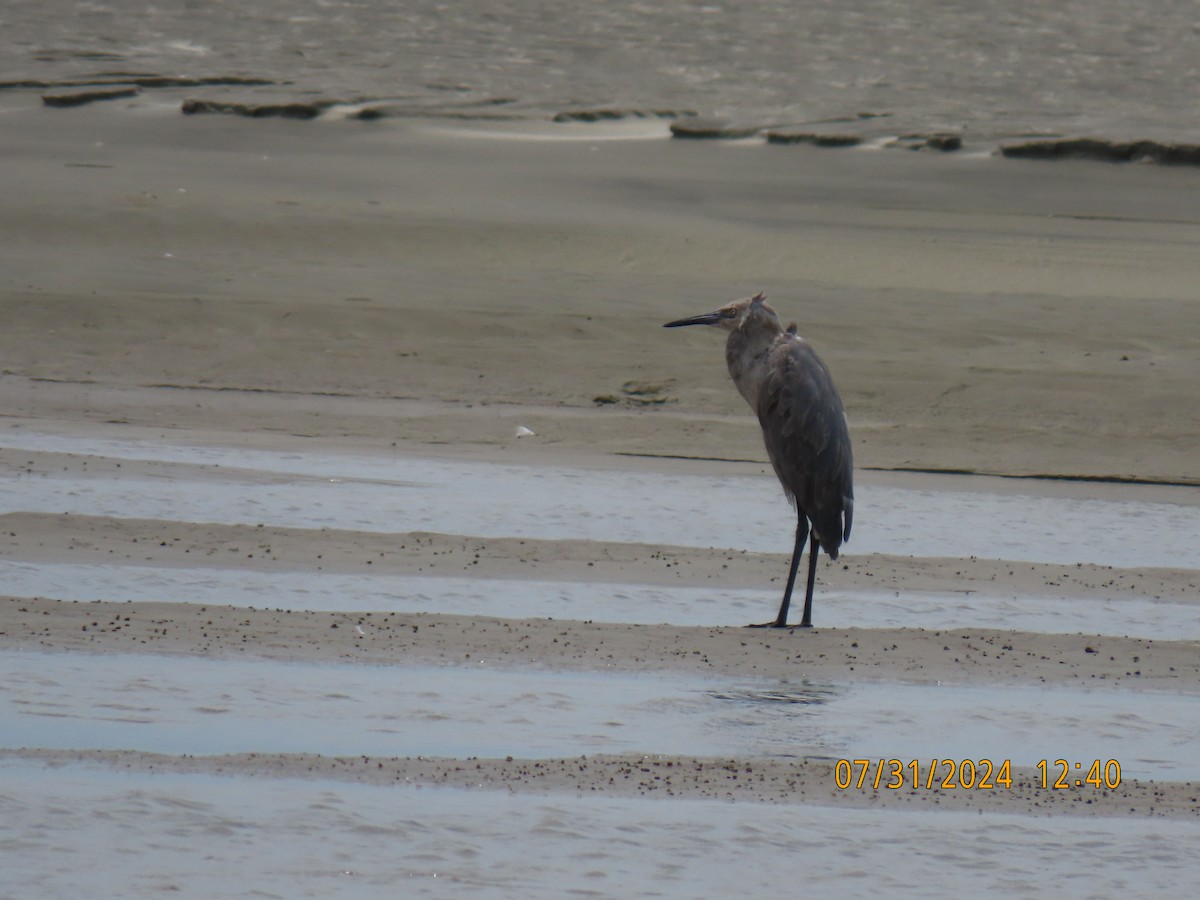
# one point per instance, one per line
(803, 426)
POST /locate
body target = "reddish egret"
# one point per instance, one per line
(803, 426)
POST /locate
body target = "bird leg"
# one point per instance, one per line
(781, 619)
(813, 549)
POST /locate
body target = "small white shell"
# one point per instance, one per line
(522, 431)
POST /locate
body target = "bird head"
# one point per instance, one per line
(736, 315)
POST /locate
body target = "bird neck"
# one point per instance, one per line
(746, 354)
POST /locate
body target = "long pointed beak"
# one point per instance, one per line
(711, 318)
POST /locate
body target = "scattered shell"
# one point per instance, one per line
(522, 431)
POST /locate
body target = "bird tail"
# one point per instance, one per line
(828, 530)
(832, 526)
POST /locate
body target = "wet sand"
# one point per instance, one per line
(414, 292)
(436, 288)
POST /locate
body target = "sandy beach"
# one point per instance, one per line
(189, 301)
(979, 316)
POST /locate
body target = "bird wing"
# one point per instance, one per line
(804, 428)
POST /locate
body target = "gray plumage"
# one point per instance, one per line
(803, 425)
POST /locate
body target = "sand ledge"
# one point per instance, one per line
(788, 781)
(971, 656)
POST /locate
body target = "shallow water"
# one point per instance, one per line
(321, 490)
(187, 705)
(77, 831)
(599, 601)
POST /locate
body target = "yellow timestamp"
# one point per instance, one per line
(970, 774)
(945, 774)
(1071, 775)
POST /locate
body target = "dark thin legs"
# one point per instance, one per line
(813, 550)
(801, 538)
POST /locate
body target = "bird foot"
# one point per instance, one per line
(777, 625)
